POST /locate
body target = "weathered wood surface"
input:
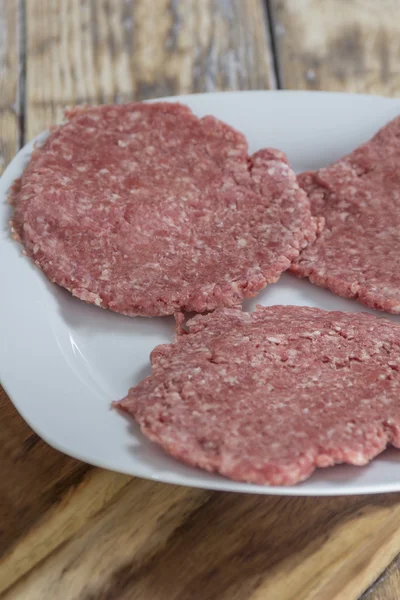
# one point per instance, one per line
(341, 45)
(9, 77)
(153, 541)
(387, 585)
(103, 51)
(73, 532)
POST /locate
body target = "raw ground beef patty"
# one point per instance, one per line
(357, 253)
(268, 397)
(148, 210)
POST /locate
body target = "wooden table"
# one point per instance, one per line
(69, 531)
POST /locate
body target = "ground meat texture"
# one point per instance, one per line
(268, 397)
(148, 210)
(356, 255)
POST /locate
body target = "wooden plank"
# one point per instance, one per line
(155, 542)
(101, 51)
(348, 45)
(59, 520)
(9, 105)
(33, 480)
(123, 538)
(387, 587)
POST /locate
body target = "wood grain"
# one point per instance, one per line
(9, 144)
(387, 586)
(9, 101)
(34, 480)
(100, 51)
(131, 530)
(343, 45)
(57, 523)
(346, 45)
(155, 542)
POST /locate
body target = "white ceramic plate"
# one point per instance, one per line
(63, 362)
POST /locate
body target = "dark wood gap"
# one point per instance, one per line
(21, 84)
(273, 43)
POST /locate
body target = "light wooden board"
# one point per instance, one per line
(387, 587)
(155, 541)
(9, 99)
(346, 45)
(101, 51)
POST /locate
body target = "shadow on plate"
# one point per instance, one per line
(302, 292)
(96, 321)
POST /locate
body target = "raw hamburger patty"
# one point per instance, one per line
(147, 210)
(268, 397)
(356, 255)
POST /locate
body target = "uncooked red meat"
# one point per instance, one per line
(357, 253)
(268, 397)
(147, 210)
